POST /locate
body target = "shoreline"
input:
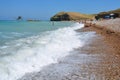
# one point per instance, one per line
(110, 26)
(98, 59)
(111, 37)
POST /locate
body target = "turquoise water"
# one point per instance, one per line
(25, 26)
(11, 30)
(28, 46)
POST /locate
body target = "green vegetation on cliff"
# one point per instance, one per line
(69, 16)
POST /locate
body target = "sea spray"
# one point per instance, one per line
(30, 54)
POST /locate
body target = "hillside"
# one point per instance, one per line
(68, 16)
(103, 14)
(115, 11)
(112, 11)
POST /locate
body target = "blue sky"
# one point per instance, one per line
(44, 9)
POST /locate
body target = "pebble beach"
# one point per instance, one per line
(98, 59)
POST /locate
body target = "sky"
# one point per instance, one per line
(44, 9)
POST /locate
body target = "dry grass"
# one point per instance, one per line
(75, 15)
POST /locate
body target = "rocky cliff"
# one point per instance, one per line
(69, 16)
(107, 13)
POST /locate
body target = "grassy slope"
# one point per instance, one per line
(112, 11)
(75, 15)
(79, 16)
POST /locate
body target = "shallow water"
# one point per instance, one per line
(96, 60)
(29, 46)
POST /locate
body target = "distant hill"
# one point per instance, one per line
(102, 14)
(112, 11)
(69, 16)
(115, 11)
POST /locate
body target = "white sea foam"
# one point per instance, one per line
(32, 53)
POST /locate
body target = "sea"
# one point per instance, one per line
(27, 47)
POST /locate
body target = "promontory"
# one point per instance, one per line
(70, 16)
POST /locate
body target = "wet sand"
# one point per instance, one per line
(99, 59)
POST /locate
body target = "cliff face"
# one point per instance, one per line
(105, 14)
(68, 16)
(62, 16)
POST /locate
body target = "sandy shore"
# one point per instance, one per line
(97, 60)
